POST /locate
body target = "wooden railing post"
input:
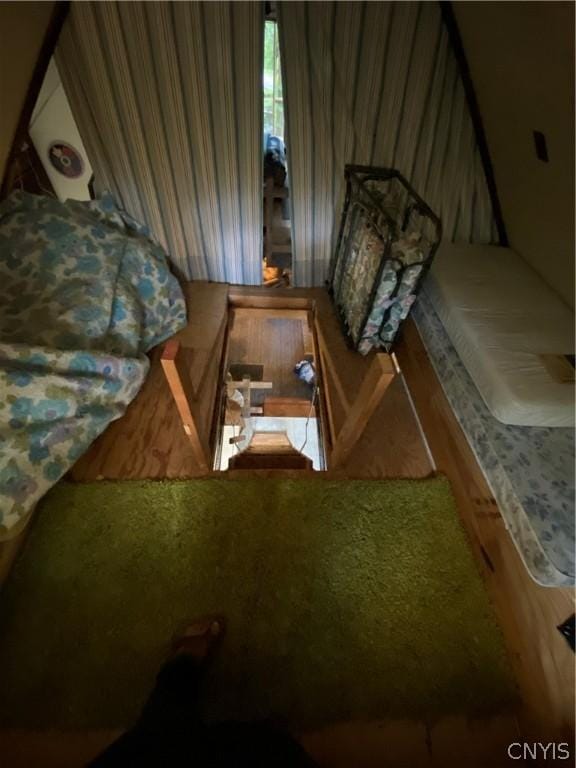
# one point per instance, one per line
(376, 381)
(181, 388)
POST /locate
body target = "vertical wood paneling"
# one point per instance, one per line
(380, 87)
(168, 96)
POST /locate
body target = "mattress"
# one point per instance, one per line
(505, 322)
(530, 470)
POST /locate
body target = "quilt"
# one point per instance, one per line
(84, 294)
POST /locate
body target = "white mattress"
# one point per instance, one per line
(501, 316)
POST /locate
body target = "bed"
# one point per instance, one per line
(505, 322)
(472, 330)
(84, 294)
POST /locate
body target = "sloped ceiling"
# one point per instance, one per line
(521, 57)
(22, 30)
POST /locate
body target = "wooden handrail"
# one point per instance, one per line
(178, 378)
(376, 381)
(325, 352)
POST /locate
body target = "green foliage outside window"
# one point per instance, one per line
(272, 82)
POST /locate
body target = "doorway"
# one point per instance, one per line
(277, 255)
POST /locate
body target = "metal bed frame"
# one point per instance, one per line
(362, 206)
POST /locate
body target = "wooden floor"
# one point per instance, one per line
(529, 614)
(448, 743)
(149, 442)
(275, 340)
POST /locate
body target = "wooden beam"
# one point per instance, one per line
(257, 297)
(331, 368)
(267, 314)
(251, 384)
(378, 378)
(183, 394)
(322, 365)
(212, 402)
(202, 353)
(325, 422)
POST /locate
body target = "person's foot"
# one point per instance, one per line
(199, 638)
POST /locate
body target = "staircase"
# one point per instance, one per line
(270, 450)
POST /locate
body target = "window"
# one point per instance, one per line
(272, 82)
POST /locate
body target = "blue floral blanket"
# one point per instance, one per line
(84, 294)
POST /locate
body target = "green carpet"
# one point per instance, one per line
(345, 600)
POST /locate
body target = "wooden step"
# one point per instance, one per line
(253, 460)
(296, 407)
(270, 442)
(270, 450)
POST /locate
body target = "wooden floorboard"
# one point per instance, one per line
(529, 614)
(149, 442)
(275, 341)
(393, 444)
(445, 743)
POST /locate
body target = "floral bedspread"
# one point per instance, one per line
(84, 294)
(530, 470)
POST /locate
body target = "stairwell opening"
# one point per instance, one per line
(271, 411)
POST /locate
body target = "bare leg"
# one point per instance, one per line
(169, 725)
